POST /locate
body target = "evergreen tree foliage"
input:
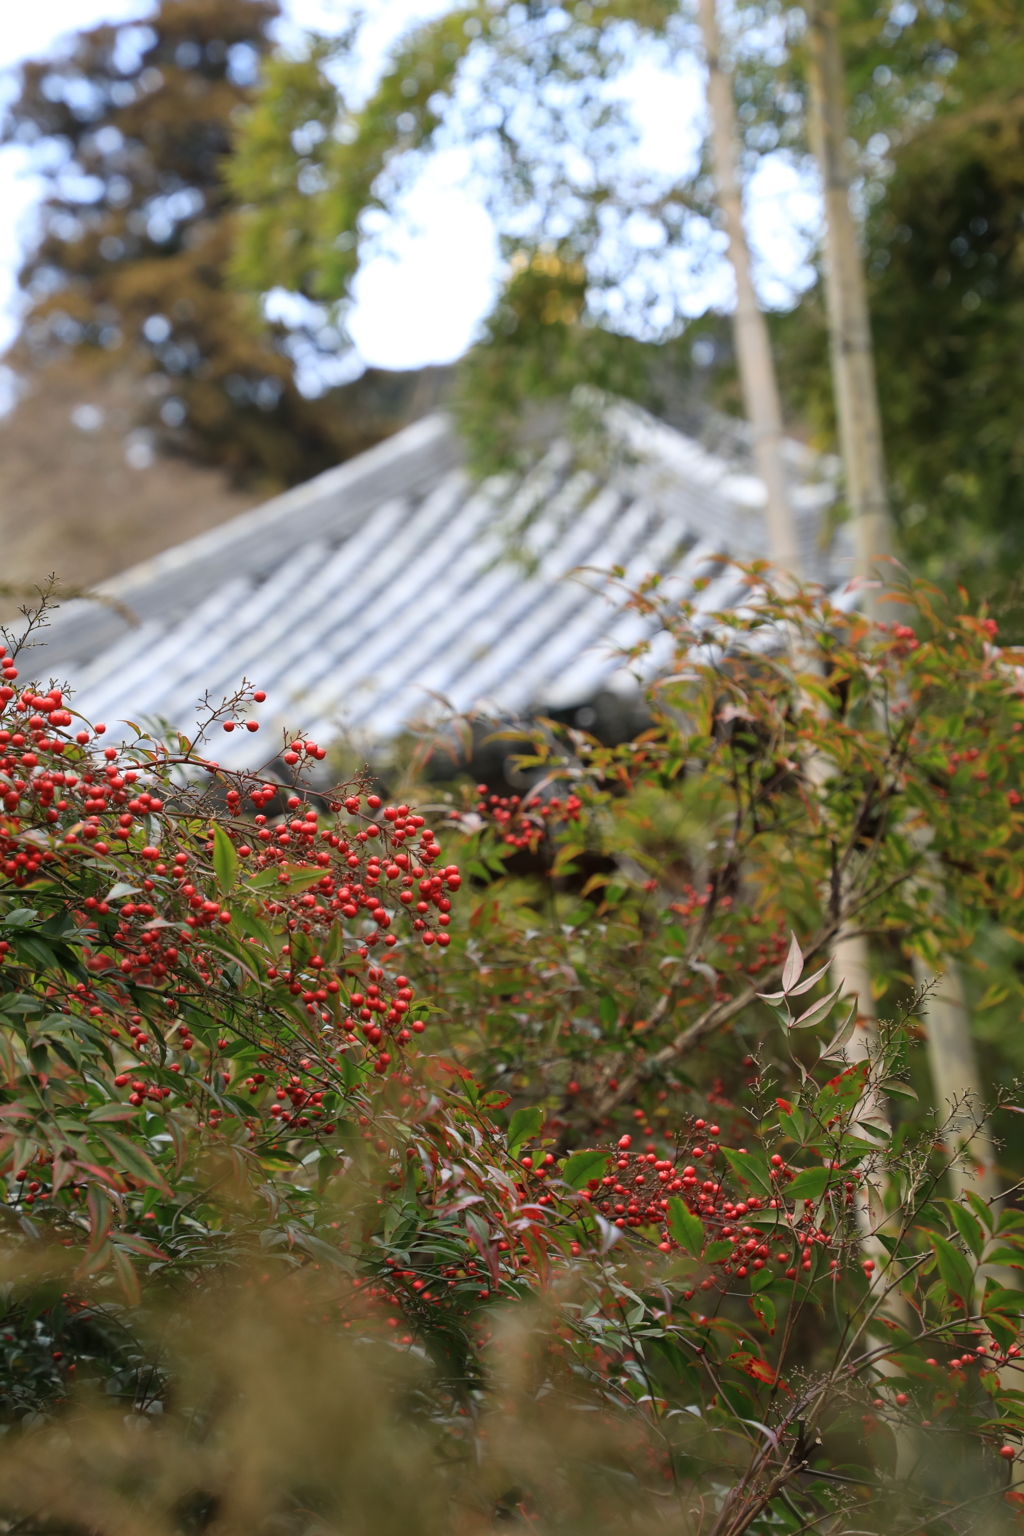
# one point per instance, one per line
(133, 126)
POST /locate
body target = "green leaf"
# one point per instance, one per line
(581, 1166)
(809, 1184)
(980, 1209)
(21, 1002)
(1002, 1312)
(62, 1022)
(325, 1252)
(109, 1112)
(720, 1249)
(127, 1279)
(841, 1093)
(608, 1010)
(225, 859)
(393, 1218)
(999, 1299)
(523, 1124)
(749, 1168)
(687, 1229)
(956, 1272)
(900, 1089)
(1011, 1256)
(794, 1125)
(352, 1073)
(967, 1226)
(763, 1308)
(43, 955)
(298, 879)
(133, 1160)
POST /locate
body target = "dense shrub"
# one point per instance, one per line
(545, 1183)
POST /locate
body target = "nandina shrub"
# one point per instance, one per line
(183, 985)
(727, 1348)
(216, 1084)
(874, 787)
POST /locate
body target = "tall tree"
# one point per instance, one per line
(314, 171)
(955, 1076)
(849, 325)
(135, 233)
(753, 346)
(936, 120)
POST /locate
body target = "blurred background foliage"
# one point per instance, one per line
(129, 273)
(937, 121)
(207, 170)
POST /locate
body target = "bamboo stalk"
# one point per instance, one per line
(849, 323)
(956, 1080)
(753, 346)
(951, 1048)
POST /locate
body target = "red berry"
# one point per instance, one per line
(1007, 1451)
(259, 696)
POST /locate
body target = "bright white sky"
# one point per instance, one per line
(413, 304)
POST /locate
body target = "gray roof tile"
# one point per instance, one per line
(354, 598)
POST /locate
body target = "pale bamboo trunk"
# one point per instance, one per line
(764, 410)
(761, 398)
(851, 970)
(957, 1082)
(950, 1046)
(753, 347)
(849, 325)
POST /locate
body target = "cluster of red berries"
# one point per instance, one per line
(903, 639)
(637, 1187)
(33, 776)
(341, 852)
(985, 1356)
(524, 822)
(311, 869)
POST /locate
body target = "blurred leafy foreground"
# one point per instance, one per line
(344, 1191)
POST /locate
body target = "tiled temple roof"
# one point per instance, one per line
(354, 598)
